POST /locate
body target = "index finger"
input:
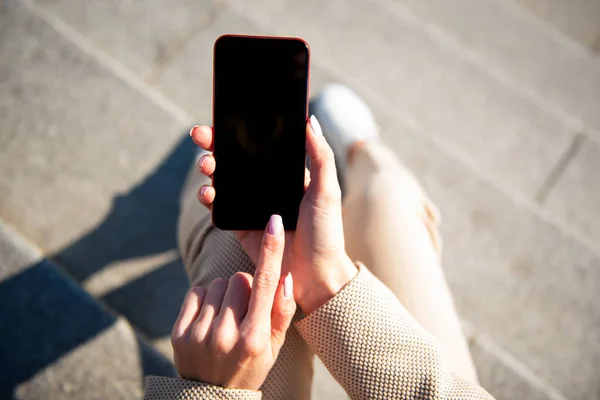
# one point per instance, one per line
(268, 272)
(202, 136)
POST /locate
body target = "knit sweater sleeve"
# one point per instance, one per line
(376, 350)
(166, 388)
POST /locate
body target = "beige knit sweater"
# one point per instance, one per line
(370, 344)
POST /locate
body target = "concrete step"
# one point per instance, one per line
(512, 45)
(81, 178)
(106, 162)
(139, 37)
(541, 64)
(578, 19)
(57, 341)
(576, 191)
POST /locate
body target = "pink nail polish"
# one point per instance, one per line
(203, 190)
(192, 129)
(288, 286)
(201, 161)
(275, 225)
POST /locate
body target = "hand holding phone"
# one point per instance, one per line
(315, 252)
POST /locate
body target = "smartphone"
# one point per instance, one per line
(260, 106)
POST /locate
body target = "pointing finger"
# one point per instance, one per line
(266, 277)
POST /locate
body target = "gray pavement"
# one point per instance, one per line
(495, 105)
(57, 341)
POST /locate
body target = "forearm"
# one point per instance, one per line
(375, 349)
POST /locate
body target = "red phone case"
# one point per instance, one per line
(260, 37)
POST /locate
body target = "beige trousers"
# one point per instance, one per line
(389, 224)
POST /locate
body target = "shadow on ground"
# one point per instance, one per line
(141, 222)
(44, 315)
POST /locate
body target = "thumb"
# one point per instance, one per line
(323, 176)
(283, 311)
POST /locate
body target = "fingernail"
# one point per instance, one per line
(192, 129)
(203, 190)
(316, 127)
(288, 286)
(201, 161)
(275, 225)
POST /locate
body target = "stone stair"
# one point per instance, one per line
(58, 342)
(492, 103)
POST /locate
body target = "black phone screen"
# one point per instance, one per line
(259, 122)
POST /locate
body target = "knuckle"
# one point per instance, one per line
(198, 335)
(217, 285)
(241, 278)
(198, 291)
(217, 282)
(288, 312)
(266, 280)
(328, 196)
(252, 344)
(177, 341)
(222, 340)
(221, 347)
(181, 341)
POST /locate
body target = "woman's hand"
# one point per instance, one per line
(315, 252)
(230, 334)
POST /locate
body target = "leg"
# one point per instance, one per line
(390, 225)
(209, 253)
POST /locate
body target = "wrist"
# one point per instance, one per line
(324, 288)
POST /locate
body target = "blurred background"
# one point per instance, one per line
(494, 104)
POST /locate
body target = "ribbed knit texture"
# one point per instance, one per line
(160, 388)
(376, 350)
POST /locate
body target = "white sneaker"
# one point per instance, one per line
(345, 119)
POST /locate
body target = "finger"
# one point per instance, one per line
(283, 310)
(235, 303)
(202, 136)
(206, 195)
(189, 311)
(210, 308)
(266, 277)
(322, 162)
(207, 164)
